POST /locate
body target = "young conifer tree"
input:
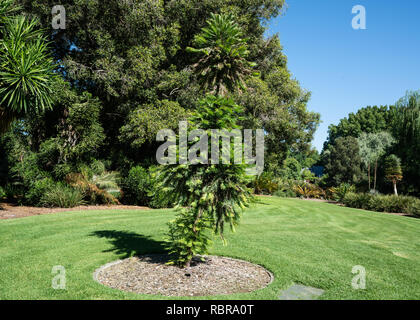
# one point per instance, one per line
(210, 195)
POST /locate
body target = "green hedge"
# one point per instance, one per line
(381, 203)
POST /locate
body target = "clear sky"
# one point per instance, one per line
(347, 69)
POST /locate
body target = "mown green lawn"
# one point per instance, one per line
(302, 242)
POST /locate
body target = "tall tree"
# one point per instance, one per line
(368, 120)
(366, 153)
(131, 55)
(373, 146)
(379, 143)
(344, 162)
(406, 129)
(214, 194)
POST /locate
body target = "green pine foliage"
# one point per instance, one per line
(223, 53)
(214, 195)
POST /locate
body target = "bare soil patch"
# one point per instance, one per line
(149, 274)
(9, 211)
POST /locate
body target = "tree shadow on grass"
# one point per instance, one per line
(130, 243)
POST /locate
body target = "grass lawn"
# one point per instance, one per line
(302, 242)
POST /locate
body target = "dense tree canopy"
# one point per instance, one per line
(344, 162)
(406, 129)
(132, 55)
(365, 120)
(401, 121)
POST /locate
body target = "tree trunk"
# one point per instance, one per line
(197, 219)
(395, 187)
(376, 168)
(218, 90)
(188, 264)
(369, 174)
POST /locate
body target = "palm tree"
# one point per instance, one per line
(223, 65)
(26, 69)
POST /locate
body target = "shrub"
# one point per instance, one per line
(27, 171)
(14, 193)
(92, 193)
(97, 167)
(338, 193)
(136, 186)
(265, 184)
(158, 199)
(63, 196)
(357, 200)
(2, 193)
(60, 171)
(116, 194)
(37, 189)
(107, 181)
(285, 189)
(413, 207)
(383, 203)
(285, 193)
(308, 190)
(85, 171)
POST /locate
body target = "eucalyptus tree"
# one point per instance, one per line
(366, 153)
(26, 68)
(379, 143)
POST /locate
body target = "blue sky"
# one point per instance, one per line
(347, 69)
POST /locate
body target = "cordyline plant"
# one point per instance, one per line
(208, 195)
(26, 68)
(393, 171)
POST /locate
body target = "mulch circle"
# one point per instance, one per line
(10, 211)
(149, 274)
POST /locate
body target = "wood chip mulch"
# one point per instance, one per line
(149, 274)
(9, 211)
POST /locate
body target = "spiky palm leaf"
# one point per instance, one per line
(26, 69)
(223, 64)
